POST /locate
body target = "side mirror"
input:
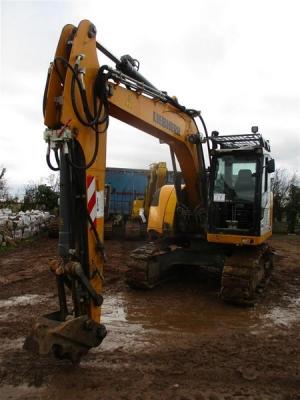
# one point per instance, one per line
(271, 166)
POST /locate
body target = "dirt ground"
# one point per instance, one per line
(178, 341)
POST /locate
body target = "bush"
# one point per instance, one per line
(40, 197)
(286, 193)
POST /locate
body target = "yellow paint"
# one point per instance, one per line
(164, 212)
(136, 206)
(170, 210)
(55, 90)
(61, 115)
(237, 239)
(128, 103)
(141, 116)
(156, 179)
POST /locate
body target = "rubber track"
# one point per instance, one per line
(244, 272)
(140, 262)
(132, 230)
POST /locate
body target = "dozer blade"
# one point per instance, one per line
(69, 339)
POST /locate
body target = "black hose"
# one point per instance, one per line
(49, 161)
(206, 135)
(56, 156)
(99, 244)
(57, 69)
(91, 162)
(81, 90)
(199, 148)
(83, 214)
(45, 93)
(79, 205)
(91, 120)
(74, 105)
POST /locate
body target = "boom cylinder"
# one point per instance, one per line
(64, 207)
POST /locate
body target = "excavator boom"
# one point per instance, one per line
(79, 98)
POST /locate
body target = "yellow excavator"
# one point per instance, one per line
(217, 215)
(136, 225)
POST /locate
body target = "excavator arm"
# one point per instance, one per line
(80, 97)
(157, 178)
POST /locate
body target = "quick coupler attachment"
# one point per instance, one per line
(70, 339)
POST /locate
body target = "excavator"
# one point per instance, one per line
(136, 225)
(218, 212)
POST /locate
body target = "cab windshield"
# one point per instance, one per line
(235, 178)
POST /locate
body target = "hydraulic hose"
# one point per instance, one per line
(206, 135)
(91, 162)
(91, 120)
(49, 161)
(46, 92)
(56, 157)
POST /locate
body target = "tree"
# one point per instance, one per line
(281, 183)
(3, 185)
(41, 197)
(2, 173)
(53, 182)
(286, 191)
(293, 207)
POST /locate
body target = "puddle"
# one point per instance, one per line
(138, 320)
(283, 316)
(176, 308)
(141, 319)
(24, 300)
(122, 333)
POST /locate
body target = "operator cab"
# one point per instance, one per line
(240, 194)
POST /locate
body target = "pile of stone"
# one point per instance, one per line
(21, 225)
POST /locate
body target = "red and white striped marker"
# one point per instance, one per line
(91, 197)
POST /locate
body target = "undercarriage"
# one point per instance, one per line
(244, 270)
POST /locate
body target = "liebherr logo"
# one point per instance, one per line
(166, 123)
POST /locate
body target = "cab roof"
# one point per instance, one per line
(241, 142)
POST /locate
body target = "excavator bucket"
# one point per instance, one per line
(70, 339)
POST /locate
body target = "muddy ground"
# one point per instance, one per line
(178, 341)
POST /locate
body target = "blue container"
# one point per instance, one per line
(125, 185)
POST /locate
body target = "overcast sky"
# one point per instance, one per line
(238, 61)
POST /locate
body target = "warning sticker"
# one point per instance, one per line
(100, 204)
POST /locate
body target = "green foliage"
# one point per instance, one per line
(6, 200)
(293, 207)
(40, 197)
(281, 183)
(286, 191)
